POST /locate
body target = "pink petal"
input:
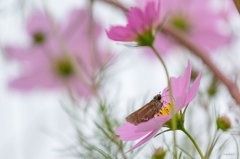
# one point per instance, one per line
(163, 43)
(186, 77)
(33, 80)
(166, 95)
(76, 29)
(17, 53)
(78, 87)
(136, 20)
(152, 14)
(38, 22)
(30, 57)
(180, 84)
(176, 85)
(144, 140)
(211, 39)
(139, 22)
(133, 136)
(127, 132)
(152, 124)
(120, 33)
(180, 102)
(193, 90)
(203, 20)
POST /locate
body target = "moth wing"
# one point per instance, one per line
(148, 113)
(143, 114)
(133, 118)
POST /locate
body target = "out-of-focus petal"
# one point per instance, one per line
(56, 60)
(35, 79)
(202, 23)
(152, 13)
(37, 22)
(136, 20)
(162, 44)
(80, 88)
(211, 39)
(120, 33)
(28, 56)
(16, 53)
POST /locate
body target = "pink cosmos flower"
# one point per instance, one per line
(39, 28)
(195, 18)
(141, 23)
(182, 95)
(61, 59)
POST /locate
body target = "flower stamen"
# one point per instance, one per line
(165, 110)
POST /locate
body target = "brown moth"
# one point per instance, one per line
(147, 112)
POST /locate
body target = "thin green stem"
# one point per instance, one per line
(174, 124)
(193, 141)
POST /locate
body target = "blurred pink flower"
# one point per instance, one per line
(39, 28)
(63, 58)
(139, 28)
(197, 19)
(182, 95)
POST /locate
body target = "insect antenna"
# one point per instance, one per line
(167, 91)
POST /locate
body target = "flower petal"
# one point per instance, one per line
(80, 88)
(203, 24)
(33, 80)
(180, 102)
(154, 123)
(181, 97)
(144, 140)
(152, 14)
(186, 77)
(193, 90)
(38, 22)
(127, 132)
(136, 20)
(17, 53)
(120, 33)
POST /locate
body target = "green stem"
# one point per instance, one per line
(193, 141)
(174, 124)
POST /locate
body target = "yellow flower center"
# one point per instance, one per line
(165, 110)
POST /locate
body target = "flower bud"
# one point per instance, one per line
(159, 153)
(223, 123)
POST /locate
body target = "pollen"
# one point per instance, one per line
(165, 110)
